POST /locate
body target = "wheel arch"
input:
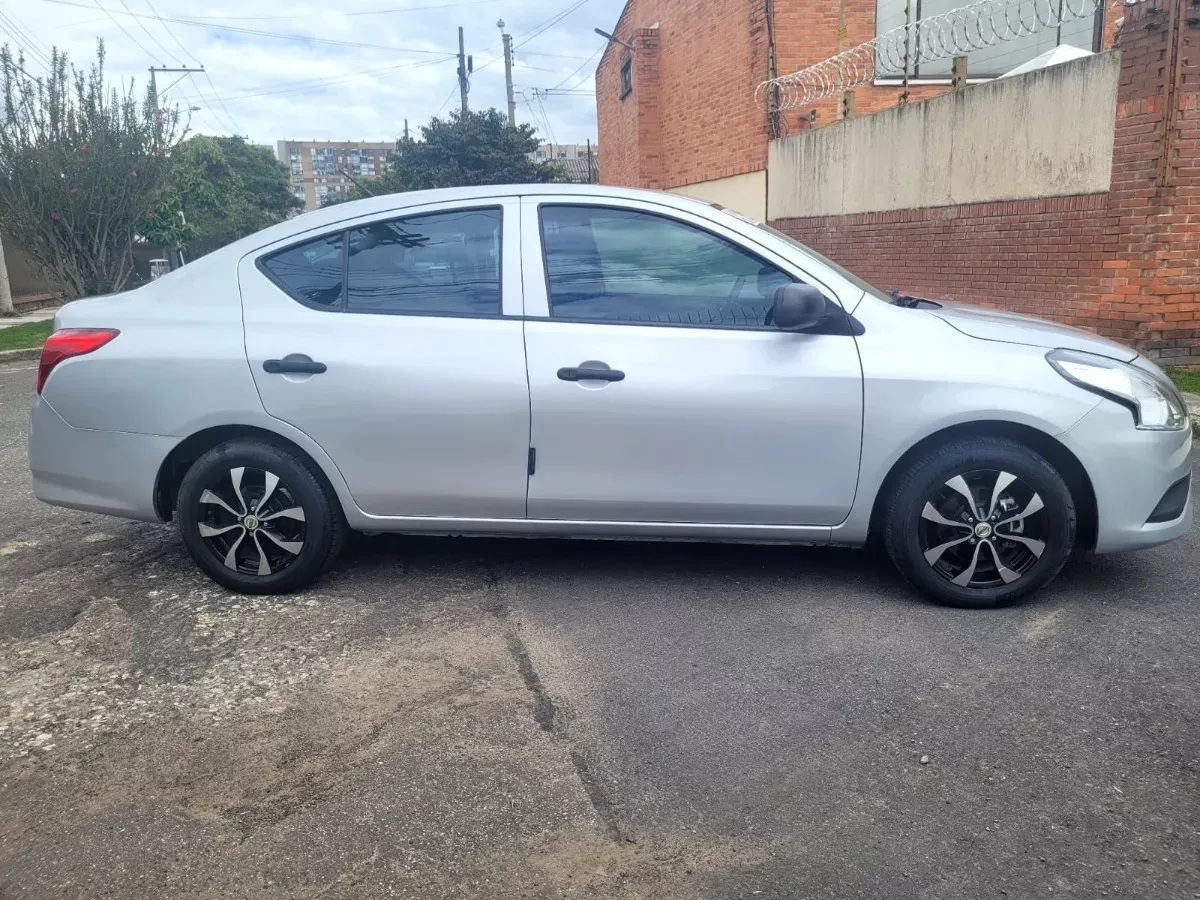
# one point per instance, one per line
(186, 452)
(1056, 453)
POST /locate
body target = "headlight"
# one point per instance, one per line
(1154, 402)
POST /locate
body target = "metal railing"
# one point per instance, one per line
(978, 26)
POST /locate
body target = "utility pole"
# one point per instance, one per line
(185, 70)
(512, 103)
(406, 129)
(6, 304)
(465, 67)
(591, 167)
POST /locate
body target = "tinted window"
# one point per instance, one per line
(447, 263)
(628, 266)
(311, 272)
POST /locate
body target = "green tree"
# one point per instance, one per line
(80, 165)
(471, 148)
(226, 189)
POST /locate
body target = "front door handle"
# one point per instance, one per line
(590, 373)
(294, 363)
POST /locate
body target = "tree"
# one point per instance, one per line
(226, 189)
(80, 166)
(471, 148)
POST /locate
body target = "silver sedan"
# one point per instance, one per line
(595, 362)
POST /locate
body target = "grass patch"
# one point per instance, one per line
(22, 337)
(1186, 379)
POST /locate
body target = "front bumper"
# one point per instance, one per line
(110, 472)
(1130, 471)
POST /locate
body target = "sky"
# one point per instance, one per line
(310, 71)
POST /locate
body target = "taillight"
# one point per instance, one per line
(70, 342)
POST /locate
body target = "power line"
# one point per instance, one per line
(19, 30)
(534, 32)
(253, 31)
(225, 109)
(168, 30)
(361, 12)
(22, 46)
(136, 43)
(545, 26)
(580, 69)
(290, 87)
(155, 40)
(453, 91)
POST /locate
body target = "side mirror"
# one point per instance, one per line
(797, 306)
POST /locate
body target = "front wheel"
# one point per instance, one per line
(980, 523)
(257, 519)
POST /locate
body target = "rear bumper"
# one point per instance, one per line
(110, 472)
(1131, 471)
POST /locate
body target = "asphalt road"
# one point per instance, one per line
(454, 718)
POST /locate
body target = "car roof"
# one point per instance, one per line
(353, 209)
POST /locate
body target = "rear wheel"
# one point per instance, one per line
(980, 523)
(257, 519)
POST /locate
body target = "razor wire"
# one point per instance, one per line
(958, 32)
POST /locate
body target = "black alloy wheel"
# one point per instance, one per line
(252, 521)
(258, 519)
(980, 522)
(984, 528)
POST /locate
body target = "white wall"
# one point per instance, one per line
(746, 194)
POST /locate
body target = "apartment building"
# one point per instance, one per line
(322, 171)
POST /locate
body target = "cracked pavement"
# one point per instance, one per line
(489, 718)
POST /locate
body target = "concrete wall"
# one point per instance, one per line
(1044, 134)
(22, 275)
(746, 194)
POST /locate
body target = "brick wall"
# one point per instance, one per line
(1125, 263)
(706, 60)
(695, 82)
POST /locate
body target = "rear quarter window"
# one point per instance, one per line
(311, 272)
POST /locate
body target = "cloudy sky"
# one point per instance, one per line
(309, 70)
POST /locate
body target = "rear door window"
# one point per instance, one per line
(445, 263)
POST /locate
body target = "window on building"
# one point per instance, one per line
(323, 161)
(627, 77)
(620, 265)
(310, 272)
(986, 63)
(445, 263)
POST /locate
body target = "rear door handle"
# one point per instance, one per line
(294, 363)
(590, 373)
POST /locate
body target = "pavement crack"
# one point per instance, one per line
(545, 713)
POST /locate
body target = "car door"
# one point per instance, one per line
(385, 340)
(659, 393)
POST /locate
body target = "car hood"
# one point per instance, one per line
(1012, 328)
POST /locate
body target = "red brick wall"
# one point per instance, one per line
(698, 87)
(1032, 256)
(707, 59)
(1125, 263)
(1155, 195)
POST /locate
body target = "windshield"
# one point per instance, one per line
(845, 273)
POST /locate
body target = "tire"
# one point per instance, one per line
(258, 519)
(956, 556)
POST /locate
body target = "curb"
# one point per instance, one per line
(27, 353)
